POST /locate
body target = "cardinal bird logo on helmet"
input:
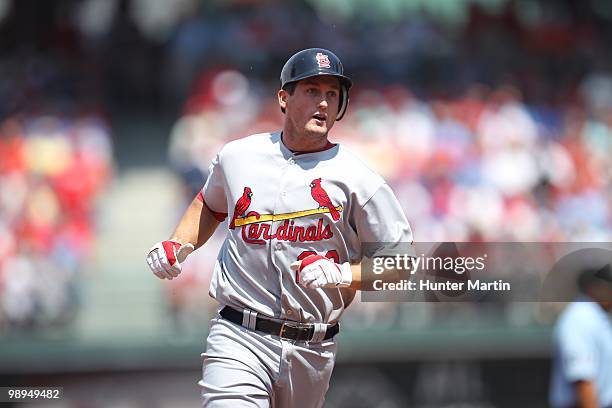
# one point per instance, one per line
(320, 196)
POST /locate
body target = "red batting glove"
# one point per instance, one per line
(316, 271)
(165, 258)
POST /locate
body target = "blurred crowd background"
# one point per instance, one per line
(491, 120)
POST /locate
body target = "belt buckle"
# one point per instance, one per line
(292, 325)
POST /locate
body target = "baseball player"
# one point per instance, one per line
(299, 209)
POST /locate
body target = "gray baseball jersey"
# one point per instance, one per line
(283, 206)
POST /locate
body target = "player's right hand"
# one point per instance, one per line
(165, 258)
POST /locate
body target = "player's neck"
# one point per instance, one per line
(305, 147)
(303, 143)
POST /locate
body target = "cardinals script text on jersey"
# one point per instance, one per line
(257, 230)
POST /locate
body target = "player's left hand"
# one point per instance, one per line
(316, 271)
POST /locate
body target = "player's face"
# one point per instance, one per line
(314, 105)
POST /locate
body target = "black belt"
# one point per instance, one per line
(287, 329)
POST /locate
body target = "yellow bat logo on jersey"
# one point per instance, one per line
(252, 219)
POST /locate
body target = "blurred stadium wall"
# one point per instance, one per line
(491, 119)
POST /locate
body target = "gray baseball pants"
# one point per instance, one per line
(243, 368)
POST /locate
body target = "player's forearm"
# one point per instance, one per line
(356, 283)
(586, 395)
(196, 225)
(359, 283)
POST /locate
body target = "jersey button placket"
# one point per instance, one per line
(278, 246)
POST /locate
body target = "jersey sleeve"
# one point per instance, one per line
(382, 226)
(213, 192)
(577, 351)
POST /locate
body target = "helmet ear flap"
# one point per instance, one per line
(344, 99)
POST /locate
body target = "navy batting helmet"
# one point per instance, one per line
(314, 62)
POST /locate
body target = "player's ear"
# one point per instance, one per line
(282, 99)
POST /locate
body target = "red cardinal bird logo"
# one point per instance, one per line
(320, 196)
(241, 206)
